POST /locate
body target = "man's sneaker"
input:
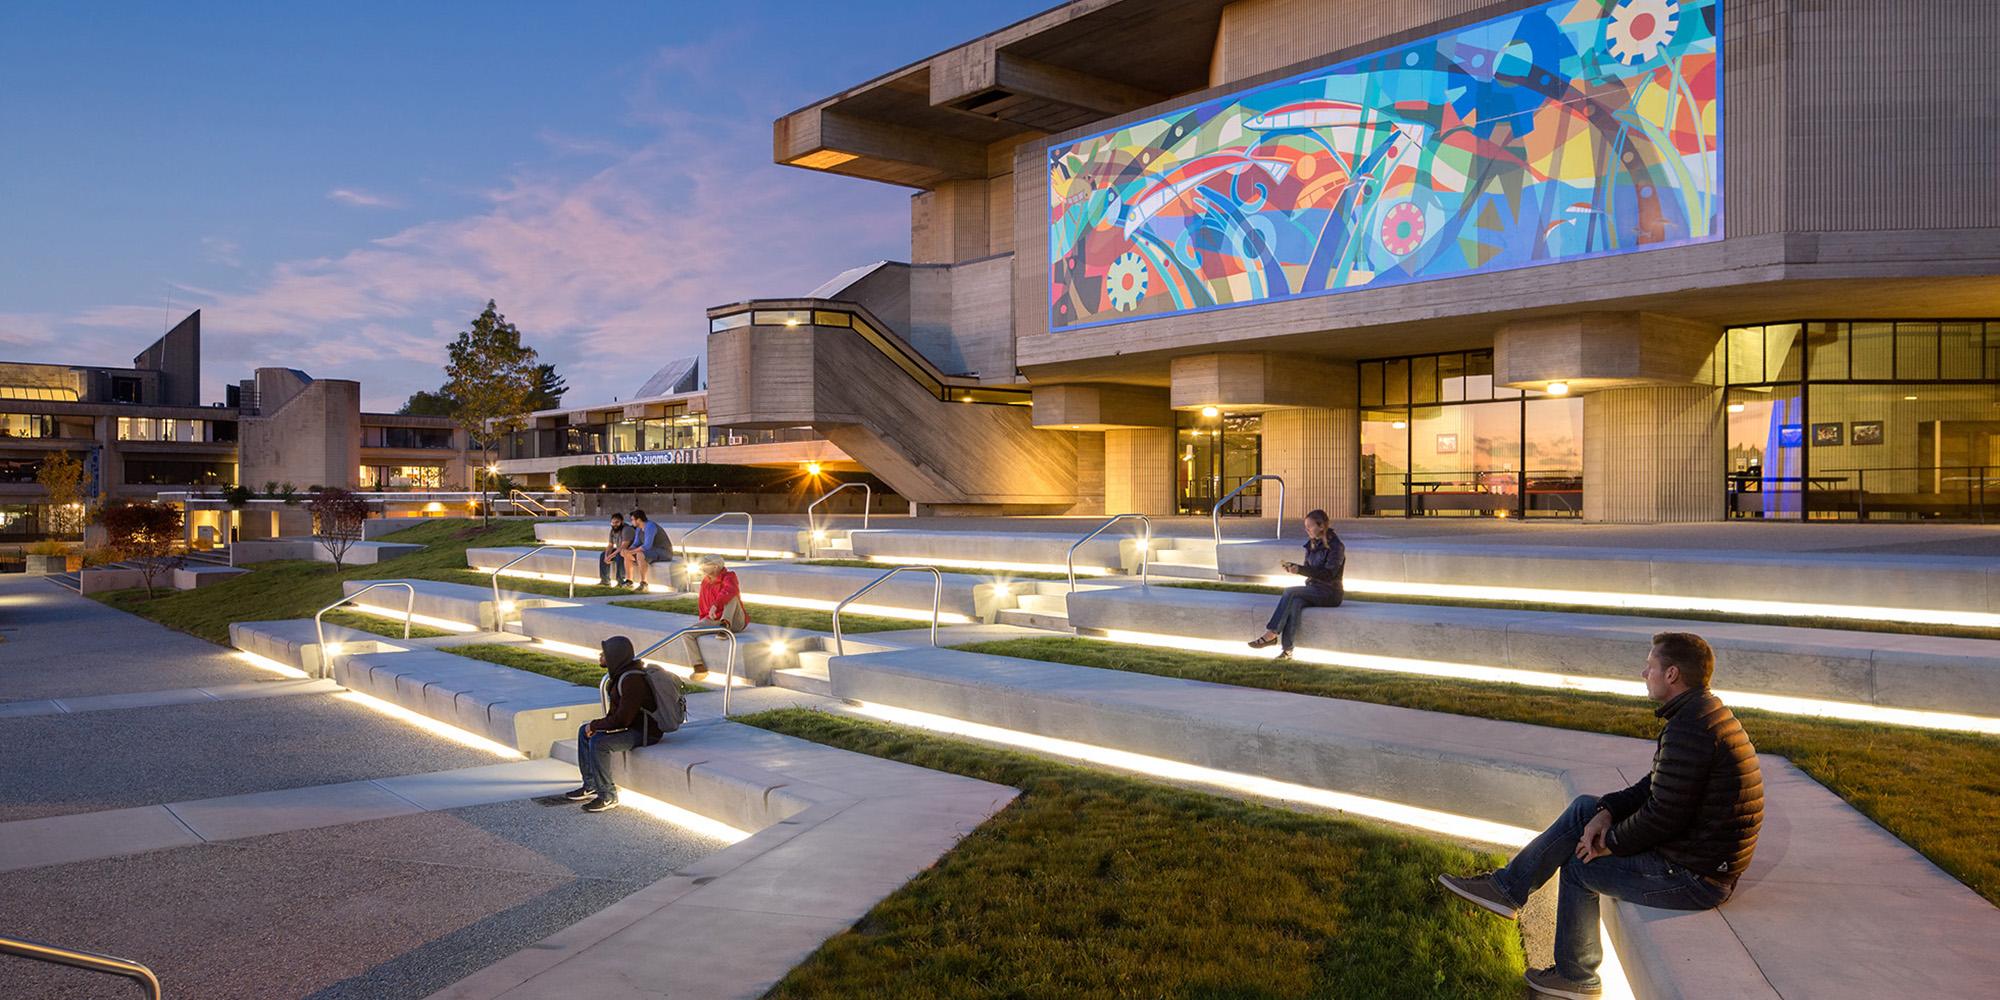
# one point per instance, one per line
(599, 805)
(1550, 983)
(579, 795)
(1480, 890)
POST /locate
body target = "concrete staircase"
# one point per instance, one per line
(1184, 558)
(1042, 605)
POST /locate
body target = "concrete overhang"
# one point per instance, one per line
(931, 121)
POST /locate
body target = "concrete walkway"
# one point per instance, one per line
(55, 643)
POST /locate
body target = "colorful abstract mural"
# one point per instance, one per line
(1571, 129)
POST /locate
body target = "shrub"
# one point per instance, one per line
(337, 516)
(49, 548)
(146, 534)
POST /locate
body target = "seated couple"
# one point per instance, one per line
(631, 550)
(643, 707)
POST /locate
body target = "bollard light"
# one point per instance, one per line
(506, 607)
(334, 649)
(779, 648)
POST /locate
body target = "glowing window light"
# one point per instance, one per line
(686, 819)
(430, 725)
(990, 564)
(1612, 972)
(269, 665)
(397, 614)
(1571, 682)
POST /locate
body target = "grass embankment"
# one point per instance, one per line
(1937, 791)
(781, 617)
(298, 588)
(1094, 885)
(534, 661)
(1791, 621)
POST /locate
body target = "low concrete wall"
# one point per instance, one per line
(100, 580)
(590, 625)
(295, 643)
(198, 576)
(516, 708)
(1114, 551)
(1871, 668)
(258, 550)
(376, 527)
(457, 602)
(725, 537)
(659, 505)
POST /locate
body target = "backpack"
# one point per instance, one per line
(670, 706)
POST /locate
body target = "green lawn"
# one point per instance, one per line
(778, 617)
(523, 657)
(298, 588)
(1094, 885)
(1793, 621)
(1937, 791)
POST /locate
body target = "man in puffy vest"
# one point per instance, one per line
(1678, 840)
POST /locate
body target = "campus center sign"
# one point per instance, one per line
(671, 456)
(1573, 129)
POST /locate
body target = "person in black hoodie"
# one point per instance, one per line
(1326, 560)
(1678, 839)
(624, 727)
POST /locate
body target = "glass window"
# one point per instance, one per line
(29, 425)
(1371, 383)
(1479, 375)
(1746, 355)
(1916, 351)
(1959, 351)
(1905, 452)
(1553, 456)
(1872, 347)
(1827, 346)
(1396, 382)
(178, 472)
(1385, 459)
(1465, 459)
(1783, 352)
(43, 393)
(1451, 378)
(1423, 380)
(729, 322)
(1765, 461)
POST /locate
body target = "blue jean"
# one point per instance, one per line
(607, 566)
(592, 757)
(1292, 607)
(1646, 878)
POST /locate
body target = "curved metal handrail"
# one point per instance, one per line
(812, 526)
(1145, 549)
(749, 528)
(524, 500)
(937, 601)
(82, 960)
(728, 675)
(319, 627)
(500, 619)
(1215, 516)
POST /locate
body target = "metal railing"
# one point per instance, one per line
(749, 528)
(728, 675)
(1145, 548)
(937, 602)
(1215, 517)
(500, 620)
(319, 626)
(522, 500)
(92, 961)
(812, 526)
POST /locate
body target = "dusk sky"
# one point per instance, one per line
(341, 188)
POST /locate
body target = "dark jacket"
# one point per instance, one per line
(1324, 566)
(631, 693)
(1703, 803)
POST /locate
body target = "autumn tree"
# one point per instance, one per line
(490, 377)
(337, 517)
(61, 477)
(144, 534)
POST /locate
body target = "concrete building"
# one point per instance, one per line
(1666, 260)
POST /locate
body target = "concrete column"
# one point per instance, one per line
(1089, 473)
(1317, 451)
(1138, 471)
(1653, 455)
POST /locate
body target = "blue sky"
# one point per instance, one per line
(341, 187)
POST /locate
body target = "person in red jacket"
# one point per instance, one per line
(720, 602)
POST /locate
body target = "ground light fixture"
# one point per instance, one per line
(265, 663)
(812, 468)
(779, 647)
(1450, 824)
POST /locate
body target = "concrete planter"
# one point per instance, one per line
(47, 564)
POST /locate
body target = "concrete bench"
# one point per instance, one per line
(295, 642)
(1927, 583)
(1114, 551)
(767, 541)
(1832, 907)
(1870, 668)
(452, 602)
(515, 708)
(556, 563)
(832, 584)
(589, 625)
(197, 575)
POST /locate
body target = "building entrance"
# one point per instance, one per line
(1214, 452)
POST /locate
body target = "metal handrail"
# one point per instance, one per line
(728, 675)
(1215, 516)
(500, 620)
(521, 499)
(319, 626)
(812, 526)
(749, 528)
(1145, 549)
(82, 960)
(937, 601)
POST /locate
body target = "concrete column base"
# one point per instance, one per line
(1653, 455)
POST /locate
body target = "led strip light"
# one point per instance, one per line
(985, 564)
(1787, 704)
(1465, 827)
(265, 663)
(443, 623)
(683, 672)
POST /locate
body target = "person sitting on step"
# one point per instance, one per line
(612, 561)
(1677, 840)
(649, 545)
(625, 726)
(720, 602)
(1326, 560)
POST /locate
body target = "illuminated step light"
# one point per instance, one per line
(269, 665)
(443, 623)
(430, 725)
(878, 610)
(1785, 704)
(686, 819)
(586, 653)
(779, 647)
(989, 564)
(1616, 984)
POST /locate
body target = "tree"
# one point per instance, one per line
(546, 388)
(490, 377)
(61, 477)
(337, 516)
(144, 533)
(428, 404)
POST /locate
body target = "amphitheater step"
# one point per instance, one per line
(1033, 619)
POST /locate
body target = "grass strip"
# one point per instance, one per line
(1936, 791)
(298, 588)
(1094, 885)
(1790, 621)
(781, 617)
(528, 585)
(523, 657)
(989, 574)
